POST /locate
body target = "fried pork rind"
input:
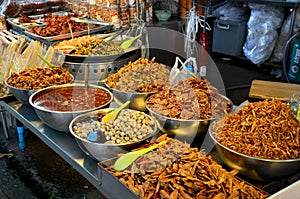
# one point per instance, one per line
(265, 129)
(191, 99)
(191, 175)
(38, 78)
(141, 76)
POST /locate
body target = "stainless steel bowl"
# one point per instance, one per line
(60, 120)
(23, 94)
(255, 168)
(191, 131)
(102, 151)
(137, 100)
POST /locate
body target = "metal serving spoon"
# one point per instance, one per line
(126, 160)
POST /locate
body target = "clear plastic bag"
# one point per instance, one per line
(284, 35)
(232, 11)
(187, 70)
(262, 32)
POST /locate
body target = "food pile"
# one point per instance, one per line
(177, 171)
(72, 98)
(130, 126)
(38, 78)
(191, 99)
(26, 19)
(89, 45)
(141, 76)
(265, 129)
(4, 90)
(58, 25)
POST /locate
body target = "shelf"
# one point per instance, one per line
(271, 2)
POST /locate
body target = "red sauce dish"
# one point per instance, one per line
(72, 98)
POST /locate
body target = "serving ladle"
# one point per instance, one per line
(112, 115)
(126, 44)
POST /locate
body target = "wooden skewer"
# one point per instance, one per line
(71, 32)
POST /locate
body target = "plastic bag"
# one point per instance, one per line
(187, 70)
(284, 35)
(262, 32)
(232, 11)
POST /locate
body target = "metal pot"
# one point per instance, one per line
(100, 68)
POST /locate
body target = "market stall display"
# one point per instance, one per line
(183, 111)
(261, 140)
(175, 170)
(104, 140)
(138, 80)
(58, 105)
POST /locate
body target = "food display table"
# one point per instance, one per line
(66, 147)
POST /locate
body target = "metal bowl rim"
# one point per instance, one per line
(247, 156)
(185, 120)
(62, 86)
(126, 92)
(155, 129)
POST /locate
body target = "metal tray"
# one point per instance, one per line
(106, 58)
(119, 190)
(110, 183)
(65, 36)
(20, 27)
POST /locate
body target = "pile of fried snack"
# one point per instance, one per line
(176, 170)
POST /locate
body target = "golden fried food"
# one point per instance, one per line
(177, 171)
(191, 99)
(141, 76)
(38, 78)
(265, 129)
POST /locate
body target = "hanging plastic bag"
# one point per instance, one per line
(262, 32)
(184, 71)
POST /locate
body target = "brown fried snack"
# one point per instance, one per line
(191, 99)
(265, 129)
(177, 171)
(38, 78)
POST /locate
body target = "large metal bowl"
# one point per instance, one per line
(102, 151)
(191, 131)
(23, 95)
(255, 168)
(137, 100)
(60, 120)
